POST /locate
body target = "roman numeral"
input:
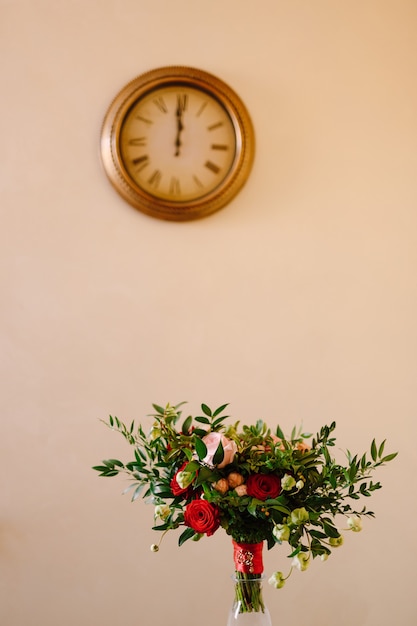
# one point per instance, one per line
(138, 141)
(142, 161)
(174, 187)
(144, 119)
(212, 166)
(214, 126)
(198, 182)
(155, 179)
(201, 109)
(160, 104)
(182, 101)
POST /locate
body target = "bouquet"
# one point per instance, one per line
(254, 482)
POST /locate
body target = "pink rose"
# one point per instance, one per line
(212, 441)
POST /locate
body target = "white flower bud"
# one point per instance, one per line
(277, 580)
(355, 523)
(299, 516)
(336, 542)
(281, 532)
(301, 561)
(184, 479)
(287, 482)
(162, 511)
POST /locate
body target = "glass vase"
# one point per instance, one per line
(248, 605)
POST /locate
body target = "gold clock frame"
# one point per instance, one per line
(177, 210)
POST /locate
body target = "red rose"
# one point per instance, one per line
(263, 486)
(202, 516)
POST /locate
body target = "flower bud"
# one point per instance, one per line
(281, 532)
(184, 479)
(154, 548)
(235, 479)
(277, 580)
(299, 484)
(221, 485)
(299, 516)
(287, 482)
(302, 446)
(336, 542)
(355, 523)
(162, 511)
(301, 561)
(241, 490)
(155, 433)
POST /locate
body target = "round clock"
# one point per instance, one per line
(177, 143)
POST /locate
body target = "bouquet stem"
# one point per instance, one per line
(248, 593)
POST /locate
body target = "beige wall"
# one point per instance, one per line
(296, 303)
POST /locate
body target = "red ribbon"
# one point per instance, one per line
(248, 557)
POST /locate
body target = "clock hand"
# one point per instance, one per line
(180, 128)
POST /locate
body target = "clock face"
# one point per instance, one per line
(178, 143)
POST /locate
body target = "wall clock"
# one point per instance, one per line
(177, 143)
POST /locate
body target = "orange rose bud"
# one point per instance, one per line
(235, 479)
(221, 485)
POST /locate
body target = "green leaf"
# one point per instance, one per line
(188, 454)
(220, 409)
(389, 457)
(206, 410)
(192, 466)
(279, 432)
(218, 421)
(158, 409)
(219, 454)
(295, 552)
(317, 534)
(381, 448)
(140, 455)
(200, 448)
(204, 475)
(330, 530)
(202, 420)
(185, 428)
(161, 527)
(187, 534)
(161, 490)
(282, 509)
(200, 432)
(374, 452)
(100, 468)
(252, 506)
(115, 462)
(137, 492)
(352, 472)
